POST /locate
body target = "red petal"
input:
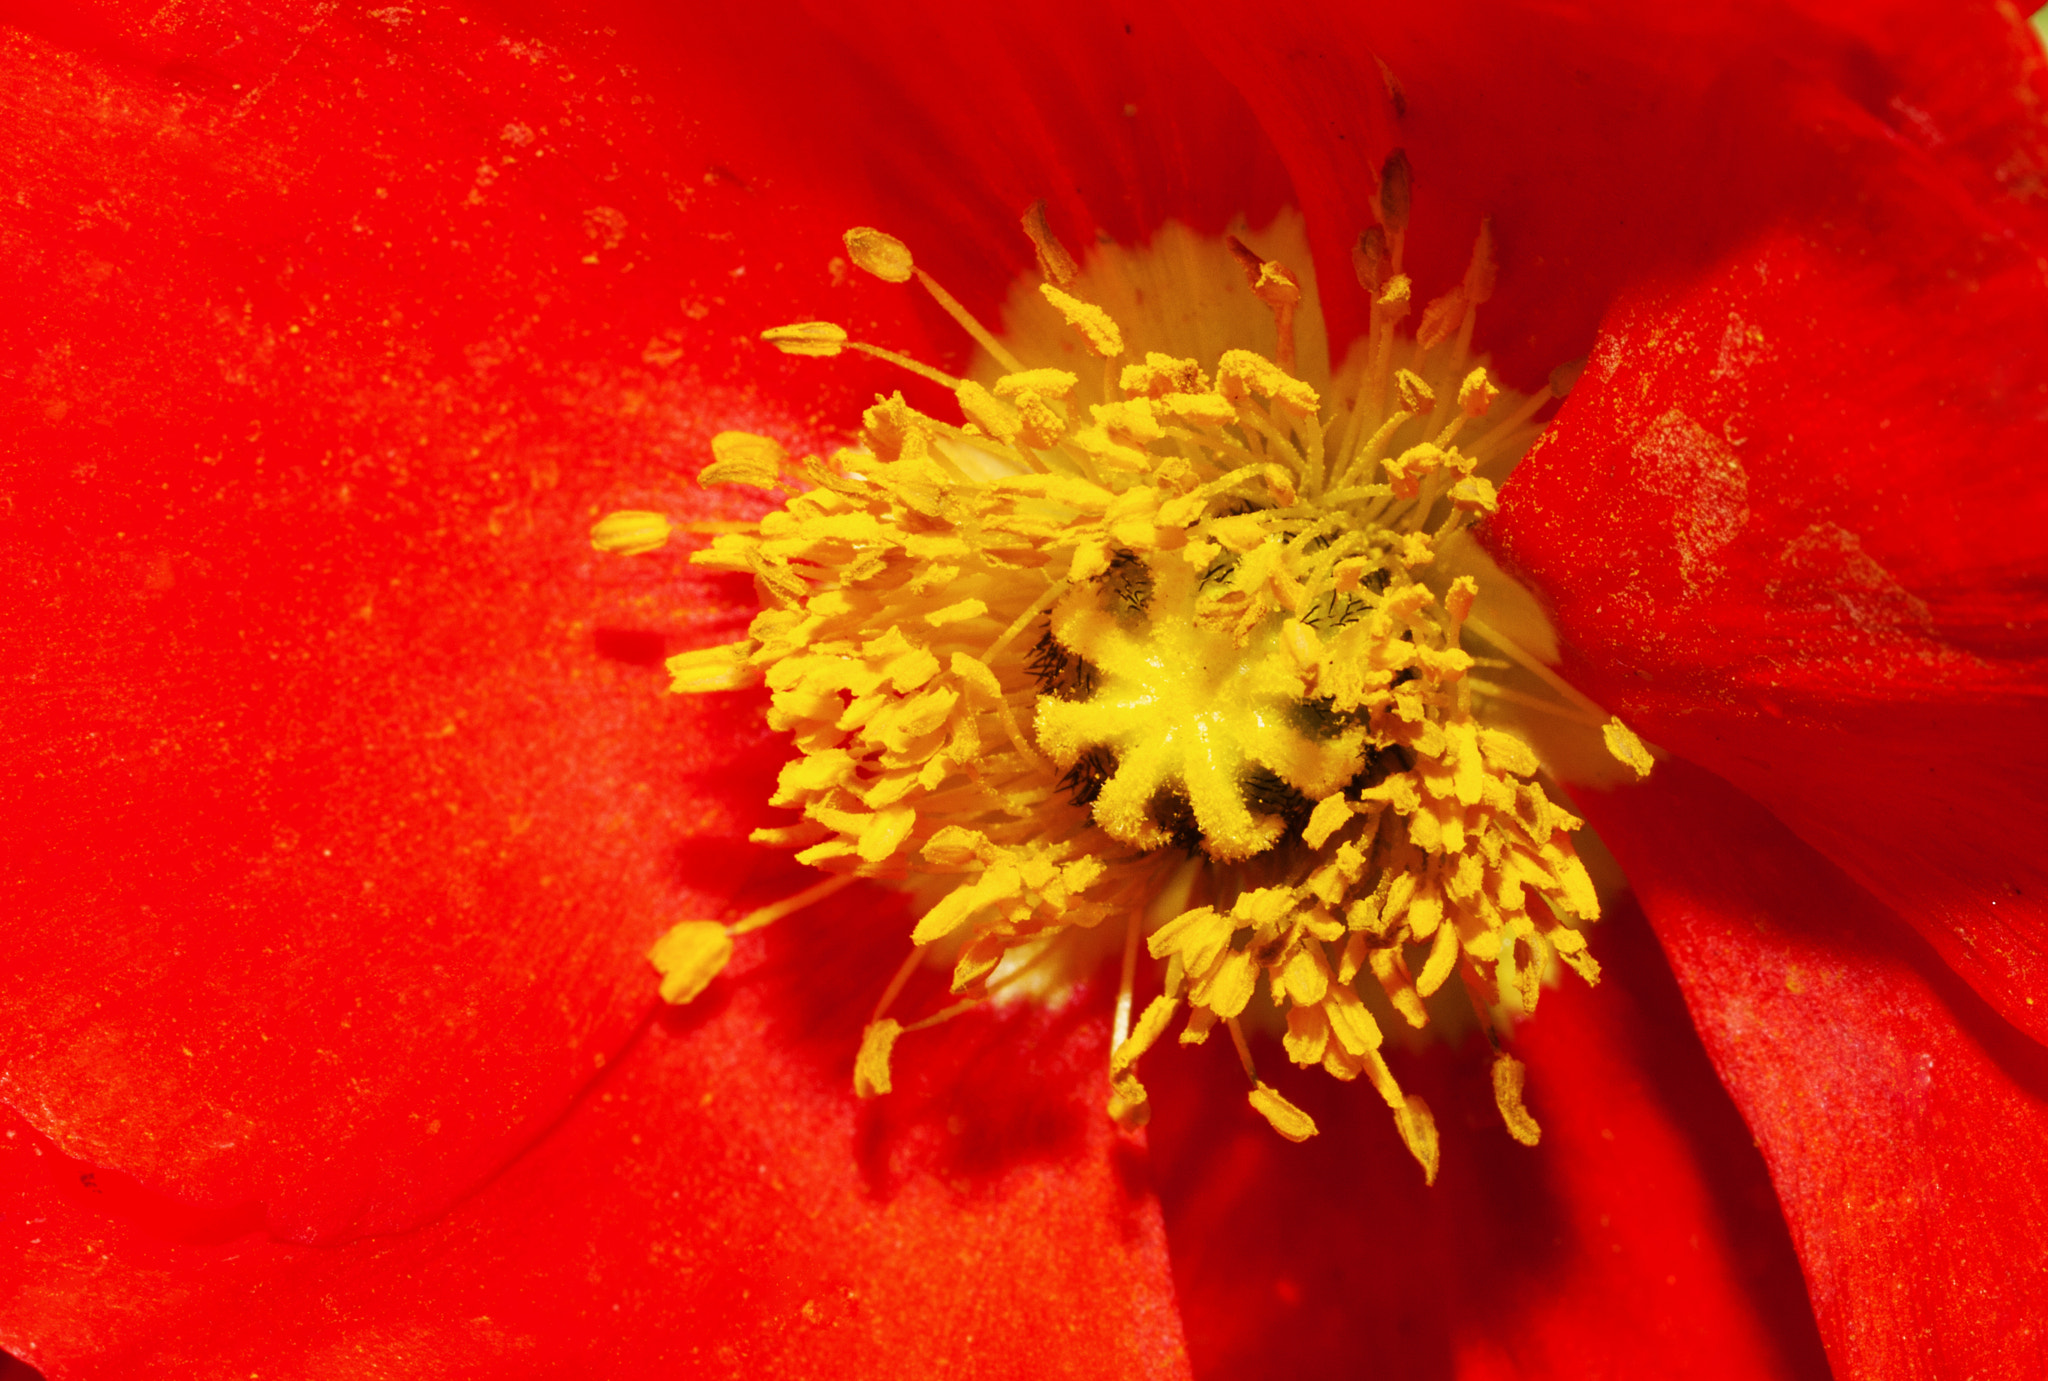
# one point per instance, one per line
(1965, 82)
(330, 765)
(717, 1203)
(1792, 527)
(1609, 143)
(1901, 1118)
(1639, 1238)
(341, 796)
(961, 117)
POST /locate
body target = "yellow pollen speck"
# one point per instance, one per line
(1182, 660)
(689, 957)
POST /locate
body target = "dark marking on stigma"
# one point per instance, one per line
(1060, 673)
(1128, 581)
(1173, 812)
(1085, 779)
(1266, 792)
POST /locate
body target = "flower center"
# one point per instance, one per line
(1174, 657)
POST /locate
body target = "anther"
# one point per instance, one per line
(1483, 269)
(693, 953)
(879, 253)
(630, 532)
(824, 339)
(820, 338)
(1396, 189)
(1273, 285)
(1509, 1077)
(1054, 262)
(1370, 258)
(1094, 324)
(890, 260)
(1286, 1119)
(743, 458)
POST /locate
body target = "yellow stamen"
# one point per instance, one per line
(631, 532)
(820, 338)
(1418, 1130)
(889, 259)
(1091, 321)
(693, 953)
(1509, 1075)
(1244, 1052)
(775, 911)
(743, 458)
(917, 367)
(871, 1065)
(713, 669)
(1288, 1120)
(904, 970)
(1054, 262)
(1189, 654)
(1273, 285)
(879, 253)
(689, 957)
(1127, 980)
(1626, 747)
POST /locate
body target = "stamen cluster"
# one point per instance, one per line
(1179, 661)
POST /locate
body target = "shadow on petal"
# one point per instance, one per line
(1640, 1237)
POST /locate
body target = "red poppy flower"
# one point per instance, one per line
(342, 803)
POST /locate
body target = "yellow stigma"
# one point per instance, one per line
(1172, 648)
